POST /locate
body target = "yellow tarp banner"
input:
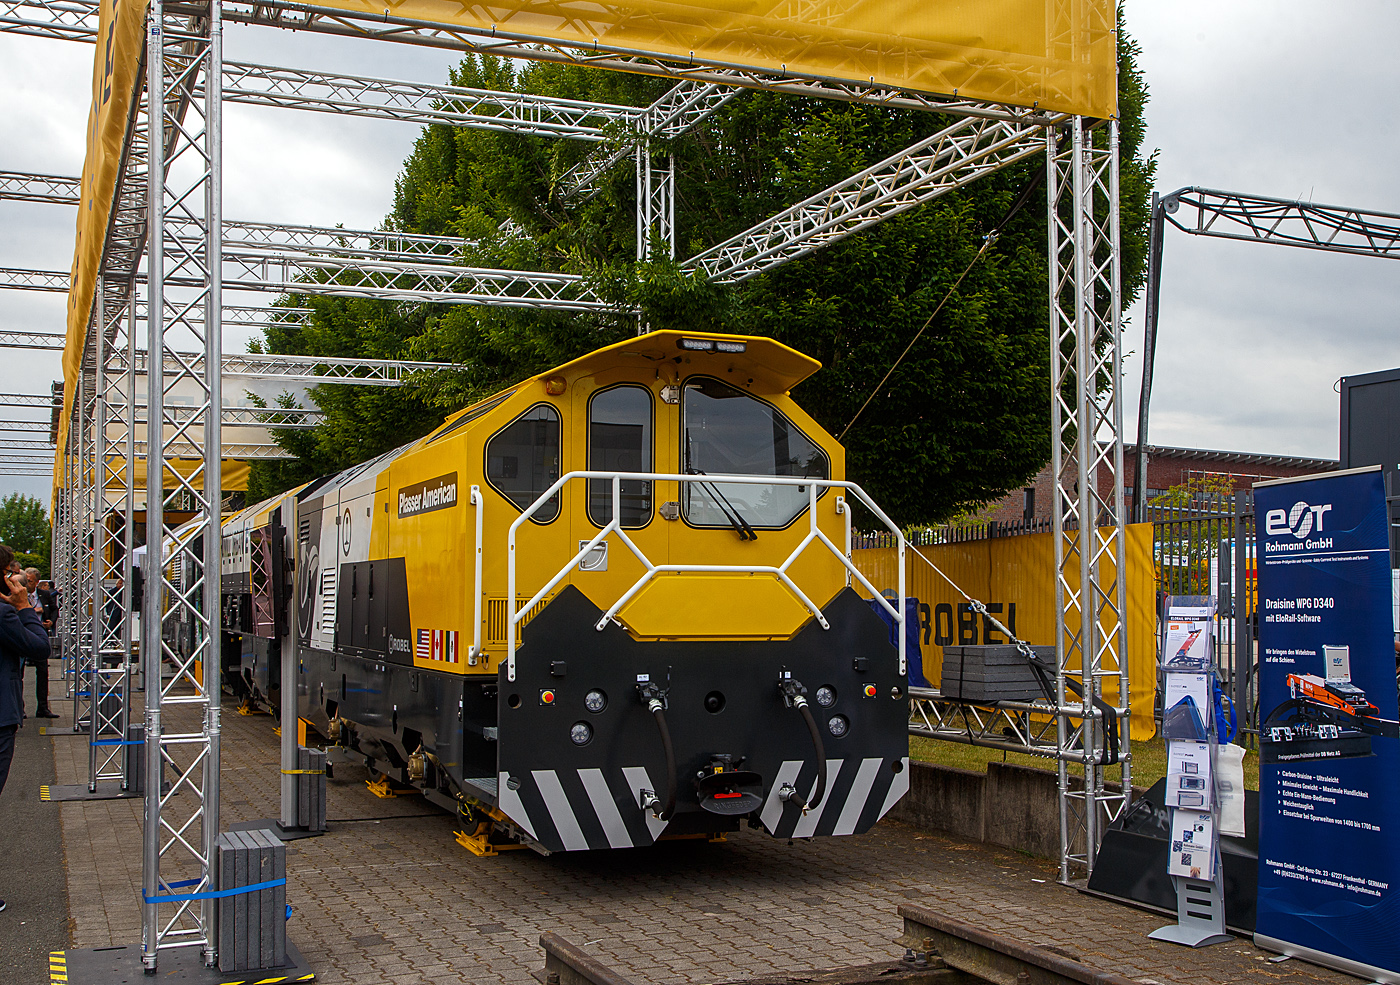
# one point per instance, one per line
(234, 471)
(1059, 56)
(1015, 576)
(121, 38)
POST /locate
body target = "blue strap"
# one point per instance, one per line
(1224, 730)
(211, 894)
(118, 742)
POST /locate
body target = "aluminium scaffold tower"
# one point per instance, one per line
(191, 256)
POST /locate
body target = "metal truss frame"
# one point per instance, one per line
(26, 427)
(1251, 219)
(109, 680)
(422, 103)
(50, 189)
(29, 400)
(1086, 419)
(184, 186)
(16, 279)
(682, 108)
(953, 157)
(1013, 726)
(65, 20)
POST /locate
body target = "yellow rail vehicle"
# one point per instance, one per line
(609, 604)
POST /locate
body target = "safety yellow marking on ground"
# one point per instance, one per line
(58, 965)
(44, 792)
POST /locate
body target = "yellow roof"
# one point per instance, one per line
(780, 366)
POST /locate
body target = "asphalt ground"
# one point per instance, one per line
(32, 880)
(387, 895)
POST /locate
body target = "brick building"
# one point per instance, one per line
(1166, 467)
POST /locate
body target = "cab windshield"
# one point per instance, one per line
(726, 431)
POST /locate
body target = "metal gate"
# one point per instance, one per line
(1203, 543)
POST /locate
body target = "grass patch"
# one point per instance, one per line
(1149, 762)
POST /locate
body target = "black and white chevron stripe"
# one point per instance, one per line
(577, 810)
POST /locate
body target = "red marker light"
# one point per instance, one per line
(727, 796)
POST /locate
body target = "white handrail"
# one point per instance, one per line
(651, 570)
(479, 504)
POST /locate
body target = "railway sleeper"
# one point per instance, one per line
(939, 950)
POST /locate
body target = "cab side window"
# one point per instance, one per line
(619, 440)
(522, 460)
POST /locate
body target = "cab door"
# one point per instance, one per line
(619, 421)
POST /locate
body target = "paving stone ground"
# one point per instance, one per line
(387, 896)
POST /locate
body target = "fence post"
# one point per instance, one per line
(1244, 642)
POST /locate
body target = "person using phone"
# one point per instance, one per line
(22, 638)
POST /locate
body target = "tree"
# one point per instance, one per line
(24, 528)
(964, 417)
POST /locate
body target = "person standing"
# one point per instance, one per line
(41, 664)
(22, 638)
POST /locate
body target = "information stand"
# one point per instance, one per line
(1188, 723)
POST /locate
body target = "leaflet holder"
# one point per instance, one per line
(1187, 658)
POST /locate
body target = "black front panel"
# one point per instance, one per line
(584, 795)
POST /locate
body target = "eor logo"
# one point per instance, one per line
(1300, 521)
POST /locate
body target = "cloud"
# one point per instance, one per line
(1289, 100)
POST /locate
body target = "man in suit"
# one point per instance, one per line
(22, 638)
(41, 664)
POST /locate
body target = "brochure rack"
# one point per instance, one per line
(1188, 722)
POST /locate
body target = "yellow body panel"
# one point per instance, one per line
(718, 606)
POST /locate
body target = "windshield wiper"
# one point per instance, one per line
(731, 513)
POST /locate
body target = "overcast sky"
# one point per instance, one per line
(1274, 97)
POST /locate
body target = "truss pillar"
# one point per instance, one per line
(110, 679)
(1087, 461)
(184, 65)
(656, 202)
(79, 600)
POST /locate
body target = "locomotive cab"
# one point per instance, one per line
(610, 604)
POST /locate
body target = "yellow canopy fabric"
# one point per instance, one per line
(121, 36)
(235, 473)
(1059, 56)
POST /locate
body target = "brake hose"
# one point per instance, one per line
(656, 704)
(820, 790)
(794, 695)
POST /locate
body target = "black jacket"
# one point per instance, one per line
(22, 638)
(48, 599)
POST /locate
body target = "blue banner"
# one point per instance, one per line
(1329, 776)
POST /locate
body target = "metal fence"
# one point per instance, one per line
(958, 534)
(1204, 544)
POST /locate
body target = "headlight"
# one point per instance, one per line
(838, 725)
(826, 696)
(581, 733)
(595, 701)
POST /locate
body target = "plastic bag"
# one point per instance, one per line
(1229, 789)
